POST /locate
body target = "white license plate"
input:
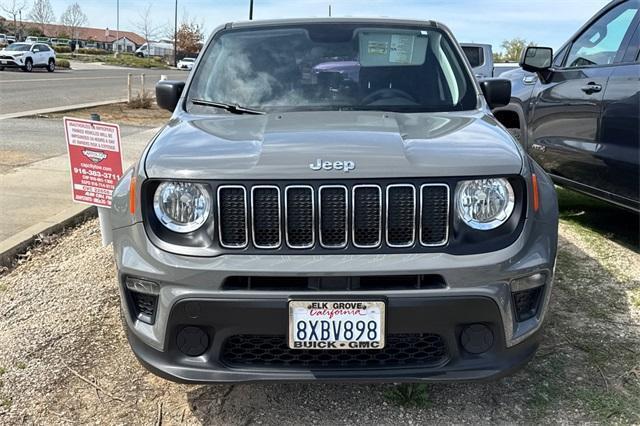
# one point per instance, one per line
(342, 324)
(4, 62)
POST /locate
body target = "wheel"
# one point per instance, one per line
(28, 65)
(51, 67)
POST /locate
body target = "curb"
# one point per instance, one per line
(60, 109)
(19, 242)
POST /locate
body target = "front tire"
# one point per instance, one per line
(51, 66)
(28, 65)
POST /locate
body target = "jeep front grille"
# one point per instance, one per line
(362, 216)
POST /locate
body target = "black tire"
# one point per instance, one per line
(28, 65)
(51, 66)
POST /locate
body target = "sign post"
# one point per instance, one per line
(95, 159)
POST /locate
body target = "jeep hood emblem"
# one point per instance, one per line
(345, 165)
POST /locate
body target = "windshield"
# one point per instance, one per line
(334, 66)
(19, 47)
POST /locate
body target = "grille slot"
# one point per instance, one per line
(401, 350)
(265, 206)
(333, 216)
(434, 214)
(526, 303)
(367, 216)
(401, 215)
(299, 214)
(232, 216)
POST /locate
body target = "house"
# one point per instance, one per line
(98, 38)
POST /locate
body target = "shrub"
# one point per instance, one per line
(62, 49)
(91, 51)
(63, 63)
(143, 100)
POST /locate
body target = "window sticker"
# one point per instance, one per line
(377, 48)
(401, 51)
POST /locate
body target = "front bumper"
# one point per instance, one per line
(11, 63)
(478, 291)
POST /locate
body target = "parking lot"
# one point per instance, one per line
(66, 359)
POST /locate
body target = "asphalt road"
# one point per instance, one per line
(21, 91)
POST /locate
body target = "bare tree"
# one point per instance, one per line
(146, 27)
(72, 18)
(13, 8)
(42, 13)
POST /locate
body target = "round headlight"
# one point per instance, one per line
(182, 206)
(485, 203)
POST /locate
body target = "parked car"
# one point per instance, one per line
(28, 56)
(579, 118)
(480, 58)
(155, 48)
(11, 39)
(33, 39)
(297, 223)
(3, 40)
(60, 42)
(186, 63)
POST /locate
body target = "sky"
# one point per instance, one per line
(545, 22)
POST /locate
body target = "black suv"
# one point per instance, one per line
(580, 119)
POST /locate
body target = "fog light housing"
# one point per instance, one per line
(526, 295)
(143, 299)
(476, 338)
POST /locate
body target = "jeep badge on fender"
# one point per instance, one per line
(250, 248)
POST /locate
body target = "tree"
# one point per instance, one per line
(145, 25)
(72, 18)
(42, 13)
(190, 36)
(512, 50)
(13, 8)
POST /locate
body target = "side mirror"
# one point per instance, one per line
(536, 59)
(168, 93)
(497, 91)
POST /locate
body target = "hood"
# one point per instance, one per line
(12, 52)
(379, 144)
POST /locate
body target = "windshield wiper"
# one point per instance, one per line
(232, 108)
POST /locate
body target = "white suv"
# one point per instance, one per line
(28, 56)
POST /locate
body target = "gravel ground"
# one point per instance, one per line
(64, 358)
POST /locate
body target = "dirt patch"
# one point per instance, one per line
(121, 113)
(64, 357)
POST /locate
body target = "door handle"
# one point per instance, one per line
(591, 88)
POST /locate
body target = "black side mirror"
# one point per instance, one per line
(497, 91)
(168, 93)
(536, 59)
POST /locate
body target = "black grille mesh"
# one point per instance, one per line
(401, 215)
(233, 229)
(434, 214)
(266, 217)
(401, 350)
(526, 303)
(366, 218)
(333, 216)
(300, 216)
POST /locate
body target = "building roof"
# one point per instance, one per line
(104, 35)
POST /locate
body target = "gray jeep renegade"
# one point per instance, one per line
(333, 200)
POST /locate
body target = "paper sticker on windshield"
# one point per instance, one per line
(401, 49)
(377, 47)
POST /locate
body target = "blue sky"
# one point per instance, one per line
(546, 22)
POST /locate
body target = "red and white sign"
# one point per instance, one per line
(95, 156)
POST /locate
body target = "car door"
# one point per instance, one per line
(43, 55)
(620, 128)
(36, 54)
(565, 122)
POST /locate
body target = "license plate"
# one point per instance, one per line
(4, 62)
(336, 324)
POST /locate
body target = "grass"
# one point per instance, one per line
(593, 215)
(409, 395)
(2, 371)
(6, 403)
(21, 365)
(125, 60)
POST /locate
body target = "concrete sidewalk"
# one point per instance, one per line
(38, 196)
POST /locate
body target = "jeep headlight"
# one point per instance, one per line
(484, 203)
(182, 206)
(18, 55)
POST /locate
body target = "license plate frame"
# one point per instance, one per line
(371, 306)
